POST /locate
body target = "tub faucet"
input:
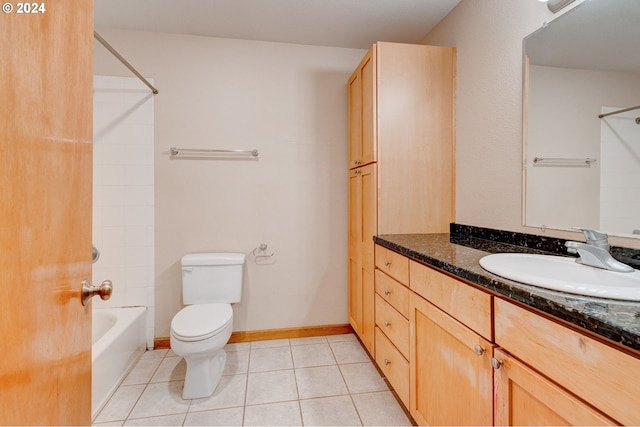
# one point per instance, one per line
(595, 252)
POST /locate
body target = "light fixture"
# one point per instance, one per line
(556, 5)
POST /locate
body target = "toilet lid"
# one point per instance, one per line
(201, 321)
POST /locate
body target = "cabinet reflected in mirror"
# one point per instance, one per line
(580, 169)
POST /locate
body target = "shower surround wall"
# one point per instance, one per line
(620, 172)
(123, 193)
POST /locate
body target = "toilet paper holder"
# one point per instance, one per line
(261, 252)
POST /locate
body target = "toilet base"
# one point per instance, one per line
(203, 374)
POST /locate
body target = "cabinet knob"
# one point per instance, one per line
(357, 172)
(387, 323)
(356, 162)
(479, 349)
(387, 263)
(496, 363)
(387, 362)
(387, 291)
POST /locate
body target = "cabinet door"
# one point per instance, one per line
(451, 377)
(362, 110)
(362, 228)
(524, 397)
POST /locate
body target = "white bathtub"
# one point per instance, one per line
(118, 336)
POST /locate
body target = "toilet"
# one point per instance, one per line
(211, 282)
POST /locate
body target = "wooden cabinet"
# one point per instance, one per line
(401, 157)
(362, 227)
(391, 319)
(524, 397)
(596, 374)
(362, 93)
(476, 359)
(451, 378)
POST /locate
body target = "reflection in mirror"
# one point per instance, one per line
(580, 169)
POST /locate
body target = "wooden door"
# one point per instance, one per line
(362, 228)
(451, 380)
(46, 81)
(362, 110)
(524, 397)
(355, 248)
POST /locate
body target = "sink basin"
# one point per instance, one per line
(564, 274)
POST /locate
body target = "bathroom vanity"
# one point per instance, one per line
(462, 346)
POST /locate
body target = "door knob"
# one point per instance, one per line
(88, 290)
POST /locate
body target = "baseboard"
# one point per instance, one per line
(274, 334)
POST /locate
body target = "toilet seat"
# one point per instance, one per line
(201, 321)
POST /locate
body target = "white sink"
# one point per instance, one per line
(564, 274)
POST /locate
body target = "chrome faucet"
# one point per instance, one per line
(595, 252)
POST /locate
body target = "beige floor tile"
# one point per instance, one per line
(362, 378)
(270, 359)
(238, 346)
(152, 354)
(341, 338)
(273, 414)
(229, 393)
(217, 417)
(271, 387)
(329, 411)
(308, 340)
(120, 404)
(109, 423)
(143, 371)
(380, 409)
(164, 420)
(270, 343)
(312, 355)
(161, 399)
(349, 352)
(237, 362)
(320, 381)
(171, 369)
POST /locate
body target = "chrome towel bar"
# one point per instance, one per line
(174, 151)
(563, 161)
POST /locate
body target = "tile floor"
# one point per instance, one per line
(304, 381)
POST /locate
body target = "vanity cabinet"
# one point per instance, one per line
(474, 358)
(524, 397)
(401, 158)
(451, 378)
(391, 319)
(587, 373)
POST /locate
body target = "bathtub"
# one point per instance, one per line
(118, 336)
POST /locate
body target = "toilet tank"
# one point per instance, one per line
(212, 278)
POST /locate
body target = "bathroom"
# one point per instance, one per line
(294, 197)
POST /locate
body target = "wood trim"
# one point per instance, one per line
(273, 334)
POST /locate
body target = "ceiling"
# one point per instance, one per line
(338, 23)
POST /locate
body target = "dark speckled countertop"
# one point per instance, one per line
(618, 321)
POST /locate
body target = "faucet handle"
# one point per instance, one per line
(594, 237)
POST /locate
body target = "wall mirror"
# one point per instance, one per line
(581, 165)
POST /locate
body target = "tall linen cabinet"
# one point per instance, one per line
(401, 158)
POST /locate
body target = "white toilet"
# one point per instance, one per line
(210, 283)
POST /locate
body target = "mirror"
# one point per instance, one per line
(580, 169)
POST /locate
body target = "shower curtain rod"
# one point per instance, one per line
(624, 110)
(124, 61)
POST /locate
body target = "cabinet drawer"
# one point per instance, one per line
(590, 369)
(468, 305)
(393, 366)
(394, 326)
(393, 264)
(393, 292)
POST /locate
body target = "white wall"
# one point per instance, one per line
(123, 188)
(488, 35)
(287, 101)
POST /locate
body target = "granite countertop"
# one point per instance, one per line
(618, 321)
